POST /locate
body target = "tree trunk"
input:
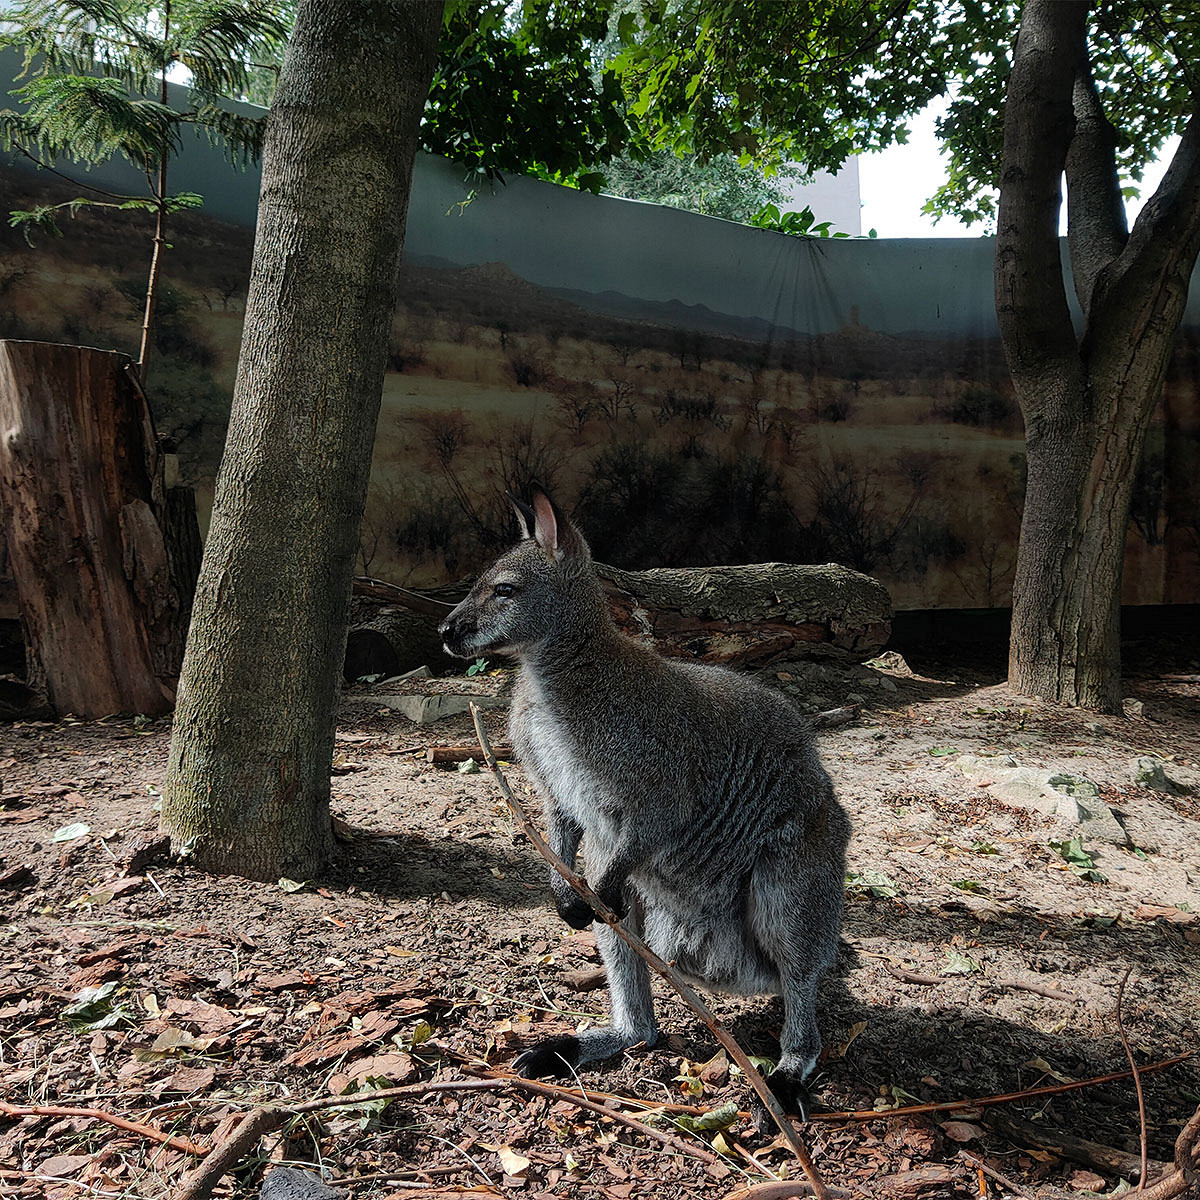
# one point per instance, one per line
(1087, 401)
(97, 546)
(247, 789)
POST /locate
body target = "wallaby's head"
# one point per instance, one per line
(540, 590)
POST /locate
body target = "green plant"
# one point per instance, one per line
(798, 224)
(97, 89)
(1078, 859)
(478, 667)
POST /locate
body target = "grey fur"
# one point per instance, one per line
(698, 796)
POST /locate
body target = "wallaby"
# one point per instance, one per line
(707, 820)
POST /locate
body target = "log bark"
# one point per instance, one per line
(392, 640)
(739, 616)
(101, 551)
(247, 788)
(752, 613)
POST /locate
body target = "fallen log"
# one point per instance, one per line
(739, 615)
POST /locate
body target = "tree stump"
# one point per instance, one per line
(103, 553)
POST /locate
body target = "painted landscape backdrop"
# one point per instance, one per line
(747, 397)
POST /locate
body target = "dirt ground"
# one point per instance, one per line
(978, 961)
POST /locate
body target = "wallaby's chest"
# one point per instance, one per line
(552, 755)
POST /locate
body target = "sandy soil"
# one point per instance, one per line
(977, 962)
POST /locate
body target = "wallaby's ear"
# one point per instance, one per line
(552, 529)
(525, 515)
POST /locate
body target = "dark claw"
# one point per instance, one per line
(793, 1098)
(555, 1058)
(577, 914)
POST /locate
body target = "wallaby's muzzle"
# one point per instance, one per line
(459, 631)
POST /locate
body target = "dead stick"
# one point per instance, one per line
(780, 1189)
(906, 976)
(98, 1114)
(1186, 1175)
(1012, 1186)
(873, 1114)
(199, 1184)
(1066, 1145)
(1137, 1082)
(985, 1101)
(1038, 989)
(671, 976)
(667, 1139)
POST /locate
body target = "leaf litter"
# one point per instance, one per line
(430, 951)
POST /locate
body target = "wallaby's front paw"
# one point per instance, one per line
(615, 899)
(792, 1094)
(577, 913)
(554, 1058)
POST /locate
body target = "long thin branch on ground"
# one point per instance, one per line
(1137, 1081)
(98, 1114)
(258, 1122)
(751, 1072)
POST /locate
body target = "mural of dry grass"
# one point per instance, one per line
(674, 445)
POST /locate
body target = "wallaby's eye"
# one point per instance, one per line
(504, 589)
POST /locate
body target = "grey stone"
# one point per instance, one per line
(1072, 802)
(1153, 772)
(425, 709)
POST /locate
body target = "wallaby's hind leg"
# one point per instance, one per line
(631, 1005)
(797, 912)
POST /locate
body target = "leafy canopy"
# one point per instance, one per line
(96, 87)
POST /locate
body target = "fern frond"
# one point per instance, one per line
(89, 119)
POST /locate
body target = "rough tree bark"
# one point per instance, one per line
(1087, 398)
(100, 548)
(247, 789)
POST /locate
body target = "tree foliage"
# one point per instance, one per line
(96, 89)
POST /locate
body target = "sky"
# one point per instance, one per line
(895, 183)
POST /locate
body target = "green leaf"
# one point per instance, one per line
(958, 963)
(872, 882)
(71, 833)
(96, 1008)
(714, 1119)
(1078, 859)
(942, 751)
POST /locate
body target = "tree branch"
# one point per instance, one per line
(1031, 300)
(1097, 230)
(1147, 285)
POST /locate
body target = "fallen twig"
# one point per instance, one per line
(782, 1189)
(907, 976)
(260, 1121)
(835, 718)
(1137, 1081)
(98, 1114)
(445, 756)
(980, 1165)
(913, 1110)
(751, 1072)
(1066, 1145)
(199, 1183)
(1038, 989)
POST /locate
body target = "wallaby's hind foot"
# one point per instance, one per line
(792, 1093)
(559, 1057)
(555, 1058)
